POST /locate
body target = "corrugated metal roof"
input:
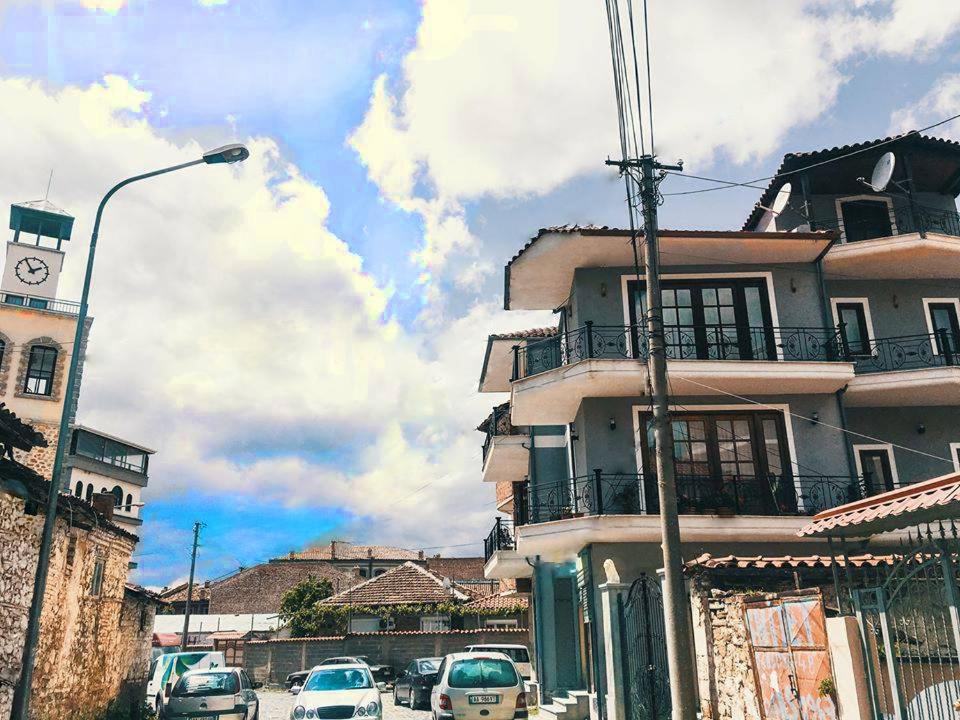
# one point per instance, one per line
(929, 501)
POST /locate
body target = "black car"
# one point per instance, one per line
(296, 678)
(414, 684)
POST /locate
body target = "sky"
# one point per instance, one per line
(300, 337)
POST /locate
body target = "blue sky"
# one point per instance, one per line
(480, 141)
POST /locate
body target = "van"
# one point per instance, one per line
(518, 653)
(165, 670)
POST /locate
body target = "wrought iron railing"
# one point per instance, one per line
(499, 538)
(40, 303)
(688, 342)
(907, 220)
(498, 424)
(602, 493)
(908, 352)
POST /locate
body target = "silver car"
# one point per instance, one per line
(478, 686)
(213, 694)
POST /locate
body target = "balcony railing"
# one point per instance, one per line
(498, 423)
(688, 342)
(602, 493)
(40, 303)
(908, 220)
(909, 352)
(500, 538)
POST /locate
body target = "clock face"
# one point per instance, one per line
(32, 270)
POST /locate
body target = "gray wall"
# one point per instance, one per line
(824, 207)
(896, 306)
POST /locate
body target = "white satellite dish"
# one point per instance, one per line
(780, 201)
(882, 172)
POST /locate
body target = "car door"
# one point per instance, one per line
(249, 696)
(435, 691)
(410, 677)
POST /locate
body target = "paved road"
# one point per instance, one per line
(275, 705)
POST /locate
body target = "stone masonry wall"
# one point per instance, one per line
(270, 661)
(41, 459)
(737, 697)
(84, 648)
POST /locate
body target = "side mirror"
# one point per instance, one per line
(295, 690)
(257, 685)
(382, 686)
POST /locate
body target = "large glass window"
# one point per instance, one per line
(40, 368)
(736, 461)
(712, 319)
(865, 219)
(109, 451)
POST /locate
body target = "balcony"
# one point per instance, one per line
(63, 307)
(501, 559)
(908, 371)
(505, 447)
(552, 376)
(918, 242)
(564, 516)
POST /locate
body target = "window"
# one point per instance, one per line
(865, 218)
(363, 573)
(96, 581)
(117, 493)
(482, 673)
(129, 506)
(360, 625)
(109, 451)
(500, 622)
(876, 465)
(89, 494)
(853, 316)
(943, 325)
(207, 684)
(40, 368)
(78, 491)
(712, 319)
(955, 455)
(434, 623)
(379, 571)
(728, 459)
(71, 550)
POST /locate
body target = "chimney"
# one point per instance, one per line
(103, 503)
(333, 549)
(356, 573)
(420, 555)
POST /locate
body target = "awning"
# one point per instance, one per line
(929, 501)
(166, 639)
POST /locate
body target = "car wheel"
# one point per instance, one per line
(414, 705)
(396, 700)
(159, 707)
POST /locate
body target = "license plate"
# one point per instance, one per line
(484, 699)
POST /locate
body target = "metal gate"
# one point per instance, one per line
(911, 635)
(644, 652)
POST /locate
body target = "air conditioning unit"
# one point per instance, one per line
(388, 624)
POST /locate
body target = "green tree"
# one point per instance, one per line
(298, 606)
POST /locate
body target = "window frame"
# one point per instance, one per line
(891, 458)
(836, 302)
(841, 225)
(27, 377)
(955, 455)
(928, 317)
(96, 577)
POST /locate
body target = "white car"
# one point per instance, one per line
(518, 653)
(478, 686)
(165, 670)
(338, 691)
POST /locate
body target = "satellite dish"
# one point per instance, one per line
(782, 198)
(882, 172)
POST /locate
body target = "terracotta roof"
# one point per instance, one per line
(178, 593)
(407, 583)
(143, 592)
(457, 568)
(928, 501)
(793, 162)
(541, 332)
(758, 562)
(259, 589)
(343, 550)
(480, 631)
(508, 600)
(226, 635)
(166, 639)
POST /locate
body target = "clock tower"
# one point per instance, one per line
(35, 255)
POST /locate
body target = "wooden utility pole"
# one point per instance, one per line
(193, 566)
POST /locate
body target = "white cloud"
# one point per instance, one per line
(239, 336)
(940, 102)
(507, 99)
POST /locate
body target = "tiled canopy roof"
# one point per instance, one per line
(759, 562)
(541, 332)
(929, 501)
(501, 601)
(343, 550)
(461, 568)
(178, 593)
(407, 583)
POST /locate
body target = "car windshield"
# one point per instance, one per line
(346, 679)
(482, 673)
(517, 654)
(340, 661)
(428, 666)
(203, 684)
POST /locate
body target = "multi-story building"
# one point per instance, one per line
(812, 359)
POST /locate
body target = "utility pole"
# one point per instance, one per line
(193, 565)
(676, 618)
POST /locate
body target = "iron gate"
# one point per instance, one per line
(910, 631)
(644, 651)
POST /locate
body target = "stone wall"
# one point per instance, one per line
(41, 459)
(270, 661)
(86, 646)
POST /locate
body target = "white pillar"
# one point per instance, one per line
(612, 595)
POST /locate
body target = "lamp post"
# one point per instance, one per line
(21, 698)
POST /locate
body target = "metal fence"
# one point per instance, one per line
(909, 352)
(500, 538)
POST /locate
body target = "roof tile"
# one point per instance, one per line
(407, 583)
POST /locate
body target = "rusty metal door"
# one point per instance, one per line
(791, 662)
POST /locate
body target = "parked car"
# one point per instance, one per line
(478, 686)
(165, 670)
(518, 653)
(381, 673)
(338, 691)
(221, 693)
(413, 685)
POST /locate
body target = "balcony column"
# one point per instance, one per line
(612, 594)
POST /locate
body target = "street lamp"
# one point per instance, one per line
(21, 699)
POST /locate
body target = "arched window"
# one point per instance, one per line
(40, 367)
(78, 491)
(129, 506)
(117, 495)
(89, 495)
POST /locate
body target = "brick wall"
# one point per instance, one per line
(270, 661)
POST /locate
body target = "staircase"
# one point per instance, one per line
(571, 705)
